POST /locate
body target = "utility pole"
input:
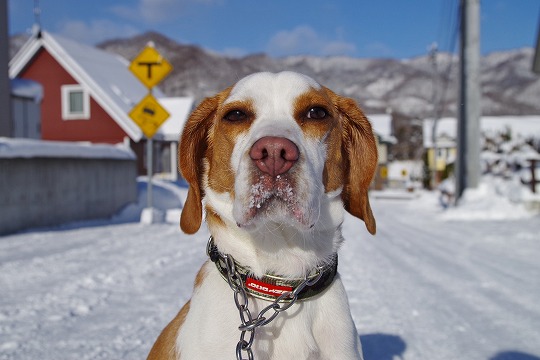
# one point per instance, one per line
(6, 122)
(435, 101)
(468, 156)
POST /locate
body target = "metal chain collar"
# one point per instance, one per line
(248, 323)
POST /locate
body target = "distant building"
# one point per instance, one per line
(87, 95)
(382, 126)
(446, 135)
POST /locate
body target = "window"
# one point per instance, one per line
(440, 153)
(75, 103)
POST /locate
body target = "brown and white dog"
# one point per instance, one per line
(276, 159)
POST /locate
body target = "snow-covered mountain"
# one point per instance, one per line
(404, 86)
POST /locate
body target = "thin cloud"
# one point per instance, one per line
(95, 31)
(305, 40)
(156, 11)
(379, 49)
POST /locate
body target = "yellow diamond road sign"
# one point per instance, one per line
(150, 67)
(148, 114)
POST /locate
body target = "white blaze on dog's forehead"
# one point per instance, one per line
(273, 98)
(264, 87)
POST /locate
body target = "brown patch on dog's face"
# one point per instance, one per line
(326, 128)
(333, 174)
(232, 120)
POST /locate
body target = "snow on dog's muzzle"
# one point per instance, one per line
(274, 192)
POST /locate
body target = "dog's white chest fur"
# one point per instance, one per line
(304, 331)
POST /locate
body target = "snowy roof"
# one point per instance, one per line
(523, 126)
(27, 89)
(179, 109)
(382, 125)
(104, 75)
(30, 148)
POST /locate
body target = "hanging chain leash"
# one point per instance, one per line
(248, 323)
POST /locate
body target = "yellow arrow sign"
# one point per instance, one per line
(150, 67)
(148, 114)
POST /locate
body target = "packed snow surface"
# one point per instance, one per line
(428, 286)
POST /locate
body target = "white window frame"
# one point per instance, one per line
(66, 113)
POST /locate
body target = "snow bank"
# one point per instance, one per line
(167, 198)
(29, 148)
(494, 199)
(490, 201)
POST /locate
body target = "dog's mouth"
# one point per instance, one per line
(274, 199)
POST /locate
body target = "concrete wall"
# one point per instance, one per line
(44, 191)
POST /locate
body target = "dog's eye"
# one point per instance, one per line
(316, 113)
(235, 115)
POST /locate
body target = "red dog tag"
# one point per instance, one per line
(265, 288)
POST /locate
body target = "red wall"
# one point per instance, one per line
(100, 128)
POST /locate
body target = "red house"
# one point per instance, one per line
(88, 93)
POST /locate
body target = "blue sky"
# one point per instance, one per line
(360, 28)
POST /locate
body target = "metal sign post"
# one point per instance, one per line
(149, 171)
(150, 68)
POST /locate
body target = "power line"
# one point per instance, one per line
(448, 26)
(452, 15)
(454, 26)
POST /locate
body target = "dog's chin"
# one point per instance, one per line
(276, 211)
(277, 200)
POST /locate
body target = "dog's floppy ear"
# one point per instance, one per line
(359, 149)
(191, 155)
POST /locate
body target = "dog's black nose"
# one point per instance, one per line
(274, 155)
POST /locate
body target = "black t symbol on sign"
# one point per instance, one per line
(149, 67)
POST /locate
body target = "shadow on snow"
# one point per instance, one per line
(514, 355)
(383, 346)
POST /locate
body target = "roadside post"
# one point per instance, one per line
(150, 68)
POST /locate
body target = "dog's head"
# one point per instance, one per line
(276, 148)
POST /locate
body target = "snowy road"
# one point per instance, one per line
(446, 290)
(423, 289)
